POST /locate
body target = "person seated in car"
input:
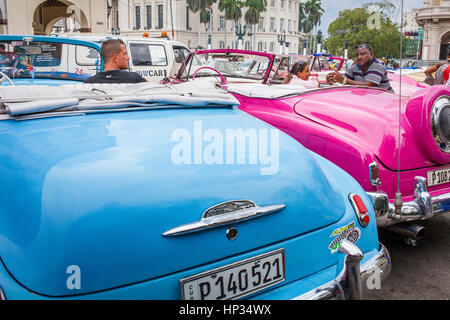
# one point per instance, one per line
(367, 71)
(21, 65)
(115, 57)
(438, 69)
(5, 61)
(299, 75)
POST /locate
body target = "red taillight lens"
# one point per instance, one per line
(360, 204)
(360, 209)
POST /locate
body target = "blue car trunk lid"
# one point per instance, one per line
(92, 196)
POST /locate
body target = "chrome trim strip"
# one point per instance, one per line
(441, 141)
(223, 219)
(349, 284)
(376, 182)
(350, 276)
(423, 207)
(2, 294)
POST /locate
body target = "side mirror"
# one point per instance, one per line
(178, 57)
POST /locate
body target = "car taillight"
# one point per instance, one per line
(360, 209)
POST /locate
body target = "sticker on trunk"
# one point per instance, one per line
(349, 232)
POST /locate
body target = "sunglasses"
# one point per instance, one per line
(363, 46)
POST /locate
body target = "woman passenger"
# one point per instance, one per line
(299, 75)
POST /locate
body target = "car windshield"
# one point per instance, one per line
(49, 60)
(325, 63)
(234, 65)
(318, 63)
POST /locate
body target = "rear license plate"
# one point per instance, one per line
(237, 279)
(437, 177)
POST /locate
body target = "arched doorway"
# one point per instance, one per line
(51, 11)
(445, 41)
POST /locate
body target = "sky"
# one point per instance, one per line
(332, 8)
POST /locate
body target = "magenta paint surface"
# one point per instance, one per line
(355, 126)
(352, 127)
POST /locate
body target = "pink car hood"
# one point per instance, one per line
(371, 118)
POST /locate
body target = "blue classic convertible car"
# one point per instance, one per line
(171, 192)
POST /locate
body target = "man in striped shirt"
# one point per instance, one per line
(367, 71)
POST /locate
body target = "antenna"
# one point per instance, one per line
(398, 203)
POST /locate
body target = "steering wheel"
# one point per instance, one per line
(4, 77)
(222, 78)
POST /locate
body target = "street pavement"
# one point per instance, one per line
(421, 272)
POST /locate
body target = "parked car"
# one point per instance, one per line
(47, 60)
(320, 64)
(152, 58)
(145, 191)
(267, 68)
(357, 129)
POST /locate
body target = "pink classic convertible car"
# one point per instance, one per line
(357, 128)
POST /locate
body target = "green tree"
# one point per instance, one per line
(202, 6)
(310, 14)
(254, 9)
(233, 12)
(314, 10)
(193, 5)
(253, 13)
(302, 18)
(352, 25)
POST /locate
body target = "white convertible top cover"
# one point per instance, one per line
(23, 100)
(257, 90)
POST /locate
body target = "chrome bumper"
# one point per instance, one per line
(421, 208)
(354, 278)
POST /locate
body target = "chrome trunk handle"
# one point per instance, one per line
(225, 213)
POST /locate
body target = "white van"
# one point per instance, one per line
(152, 58)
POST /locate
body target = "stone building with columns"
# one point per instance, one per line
(39, 16)
(135, 17)
(153, 16)
(434, 18)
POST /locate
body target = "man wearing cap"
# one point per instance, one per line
(367, 71)
(115, 57)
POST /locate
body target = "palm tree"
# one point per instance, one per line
(204, 6)
(205, 10)
(305, 22)
(253, 13)
(302, 16)
(194, 6)
(315, 11)
(233, 12)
